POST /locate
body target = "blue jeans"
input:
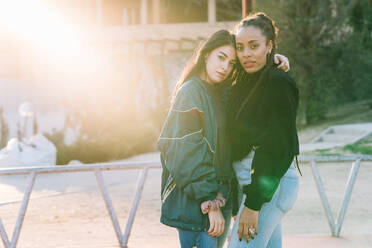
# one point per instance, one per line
(227, 215)
(270, 215)
(190, 239)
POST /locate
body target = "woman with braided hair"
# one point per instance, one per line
(262, 126)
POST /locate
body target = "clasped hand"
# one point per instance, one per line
(217, 223)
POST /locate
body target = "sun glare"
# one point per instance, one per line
(60, 56)
(54, 43)
(33, 22)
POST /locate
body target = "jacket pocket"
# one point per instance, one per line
(179, 208)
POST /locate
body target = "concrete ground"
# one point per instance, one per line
(337, 136)
(67, 210)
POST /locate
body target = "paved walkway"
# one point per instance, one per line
(67, 210)
(320, 241)
(338, 136)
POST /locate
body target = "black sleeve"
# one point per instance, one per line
(274, 156)
(234, 196)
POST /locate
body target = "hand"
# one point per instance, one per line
(217, 223)
(248, 221)
(283, 60)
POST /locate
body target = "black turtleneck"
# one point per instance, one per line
(262, 114)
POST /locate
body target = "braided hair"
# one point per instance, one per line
(269, 29)
(264, 23)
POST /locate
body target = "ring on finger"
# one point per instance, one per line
(252, 231)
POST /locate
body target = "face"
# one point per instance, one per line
(219, 63)
(252, 48)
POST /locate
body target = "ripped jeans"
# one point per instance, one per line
(270, 216)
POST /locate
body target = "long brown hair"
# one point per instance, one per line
(196, 64)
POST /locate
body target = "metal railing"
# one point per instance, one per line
(335, 225)
(97, 169)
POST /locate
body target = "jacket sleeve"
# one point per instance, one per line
(274, 156)
(187, 153)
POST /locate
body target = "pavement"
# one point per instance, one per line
(338, 136)
(67, 210)
(321, 240)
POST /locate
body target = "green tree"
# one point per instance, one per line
(309, 28)
(326, 41)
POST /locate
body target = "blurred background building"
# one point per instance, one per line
(111, 28)
(125, 20)
(69, 58)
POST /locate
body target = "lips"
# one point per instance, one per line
(220, 74)
(248, 64)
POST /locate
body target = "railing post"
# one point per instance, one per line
(348, 191)
(135, 202)
(4, 236)
(323, 197)
(109, 206)
(22, 211)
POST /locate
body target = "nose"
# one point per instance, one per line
(225, 65)
(246, 52)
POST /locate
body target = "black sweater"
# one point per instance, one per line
(266, 121)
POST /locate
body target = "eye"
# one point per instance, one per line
(239, 48)
(254, 46)
(221, 57)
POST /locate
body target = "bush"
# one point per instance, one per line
(129, 142)
(116, 115)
